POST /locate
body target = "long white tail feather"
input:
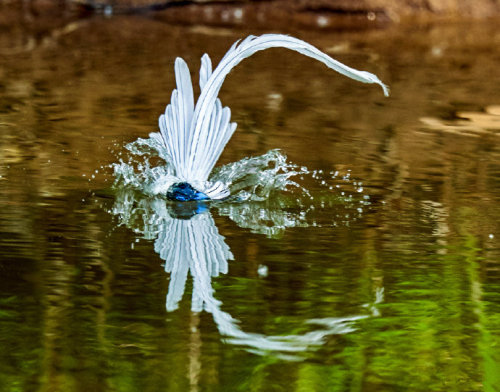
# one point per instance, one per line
(195, 138)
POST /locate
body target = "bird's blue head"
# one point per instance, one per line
(182, 191)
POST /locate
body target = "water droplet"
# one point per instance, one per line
(262, 271)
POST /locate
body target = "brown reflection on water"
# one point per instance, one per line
(428, 156)
(66, 104)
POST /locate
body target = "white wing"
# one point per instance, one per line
(210, 129)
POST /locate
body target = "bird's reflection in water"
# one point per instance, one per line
(191, 243)
(187, 239)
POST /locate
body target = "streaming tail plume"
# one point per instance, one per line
(195, 135)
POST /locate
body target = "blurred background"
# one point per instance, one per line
(82, 293)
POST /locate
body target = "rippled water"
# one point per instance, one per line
(377, 270)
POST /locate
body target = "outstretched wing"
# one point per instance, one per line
(210, 127)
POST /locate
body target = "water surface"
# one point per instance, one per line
(324, 290)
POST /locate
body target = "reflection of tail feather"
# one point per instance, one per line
(194, 245)
(286, 347)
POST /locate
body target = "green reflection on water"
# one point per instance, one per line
(99, 321)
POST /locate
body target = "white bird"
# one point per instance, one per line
(195, 135)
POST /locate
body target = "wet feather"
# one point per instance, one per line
(195, 135)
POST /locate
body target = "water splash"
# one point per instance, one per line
(187, 239)
(257, 178)
(267, 198)
(147, 169)
(268, 195)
